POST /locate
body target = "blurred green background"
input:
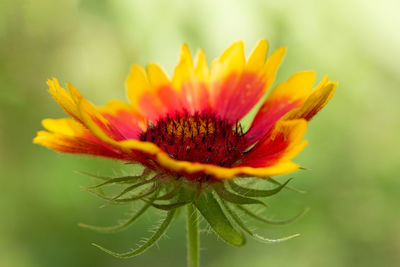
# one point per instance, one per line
(353, 151)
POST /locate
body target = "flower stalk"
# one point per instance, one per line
(193, 238)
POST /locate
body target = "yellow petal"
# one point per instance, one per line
(314, 103)
(90, 114)
(294, 131)
(201, 70)
(46, 139)
(257, 57)
(65, 100)
(231, 62)
(66, 126)
(136, 85)
(156, 76)
(184, 70)
(114, 106)
(322, 83)
(297, 87)
(278, 169)
(75, 94)
(218, 172)
(272, 64)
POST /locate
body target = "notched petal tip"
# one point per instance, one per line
(156, 75)
(39, 138)
(200, 58)
(50, 81)
(136, 84)
(315, 102)
(136, 75)
(275, 59)
(75, 94)
(272, 64)
(185, 56)
(201, 67)
(67, 100)
(233, 53)
(258, 56)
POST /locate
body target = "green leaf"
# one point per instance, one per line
(256, 192)
(234, 198)
(119, 227)
(147, 244)
(212, 212)
(269, 221)
(241, 224)
(287, 187)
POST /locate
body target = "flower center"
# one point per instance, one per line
(200, 138)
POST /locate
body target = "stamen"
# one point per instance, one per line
(200, 138)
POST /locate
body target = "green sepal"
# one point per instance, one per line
(94, 175)
(242, 225)
(269, 179)
(148, 243)
(118, 180)
(132, 187)
(144, 174)
(169, 206)
(177, 213)
(119, 227)
(257, 192)
(185, 196)
(269, 221)
(140, 195)
(171, 194)
(214, 215)
(234, 198)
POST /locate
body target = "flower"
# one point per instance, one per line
(189, 125)
(186, 131)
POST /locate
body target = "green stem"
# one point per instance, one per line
(193, 241)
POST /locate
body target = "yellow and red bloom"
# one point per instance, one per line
(186, 131)
(189, 125)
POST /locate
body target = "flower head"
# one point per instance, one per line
(187, 133)
(189, 125)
